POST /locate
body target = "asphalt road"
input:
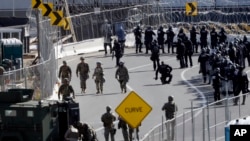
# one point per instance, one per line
(186, 86)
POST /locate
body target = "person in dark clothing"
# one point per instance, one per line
(247, 46)
(170, 109)
(202, 59)
(124, 126)
(138, 35)
(165, 71)
(180, 53)
(232, 52)
(222, 36)
(117, 52)
(203, 37)
(148, 38)
(107, 34)
(155, 54)
(213, 38)
(193, 39)
(241, 53)
(188, 51)
(160, 38)
(217, 84)
(240, 84)
(170, 39)
(181, 35)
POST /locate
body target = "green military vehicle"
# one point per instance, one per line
(22, 119)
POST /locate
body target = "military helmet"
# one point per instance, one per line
(108, 108)
(98, 62)
(170, 98)
(181, 30)
(121, 63)
(64, 62)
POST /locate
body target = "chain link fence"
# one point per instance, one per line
(38, 74)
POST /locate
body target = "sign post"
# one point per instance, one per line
(133, 109)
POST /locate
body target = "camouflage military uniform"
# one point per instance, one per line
(65, 90)
(108, 118)
(122, 76)
(83, 69)
(99, 79)
(64, 72)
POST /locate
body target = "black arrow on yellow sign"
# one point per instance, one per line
(66, 24)
(193, 8)
(56, 18)
(36, 3)
(47, 9)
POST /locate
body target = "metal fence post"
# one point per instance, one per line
(208, 125)
(192, 115)
(183, 126)
(203, 124)
(215, 122)
(162, 128)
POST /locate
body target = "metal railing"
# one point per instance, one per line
(202, 124)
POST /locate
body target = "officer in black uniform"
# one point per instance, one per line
(203, 37)
(240, 84)
(188, 51)
(193, 39)
(181, 35)
(165, 71)
(213, 38)
(155, 54)
(170, 39)
(217, 84)
(222, 36)
(138, 35)
(160, 38)
(148, 38)
(181, 52)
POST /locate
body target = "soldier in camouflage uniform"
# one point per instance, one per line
(122, 76)
(65, 90)
(108, 118)
(99, 79)
(83, 70)
(64, 71)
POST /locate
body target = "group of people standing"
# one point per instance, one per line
(82, 71)
(223, 66)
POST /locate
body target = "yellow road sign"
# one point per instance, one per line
(47, 8)
(133, 109)
(66, 24)
(191, 9)
(36, 3)
(56, 18)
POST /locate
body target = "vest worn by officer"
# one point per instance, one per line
(108, 119)
(65, 70)
(83, 68)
